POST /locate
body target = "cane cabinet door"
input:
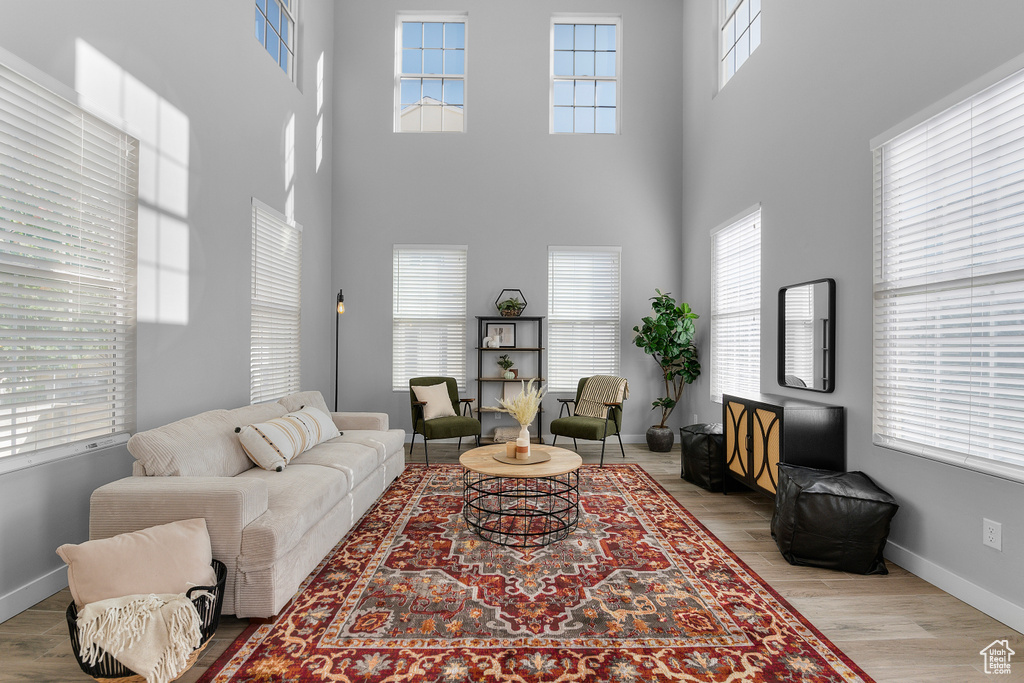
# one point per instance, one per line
(760, 433)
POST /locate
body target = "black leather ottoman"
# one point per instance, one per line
(835, 520)
(703, 456)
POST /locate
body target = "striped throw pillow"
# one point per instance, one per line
(273, 444)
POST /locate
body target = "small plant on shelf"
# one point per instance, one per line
(511, 307)
(506, 364)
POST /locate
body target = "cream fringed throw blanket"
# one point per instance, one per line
(153, 635)
(597, 391)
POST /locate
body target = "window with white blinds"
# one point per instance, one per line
(949, 285)
(736, 308)
(274, 341)
(583, 314)
(68, 219)
(429, 313)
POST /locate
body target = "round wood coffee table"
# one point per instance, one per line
(521, 506)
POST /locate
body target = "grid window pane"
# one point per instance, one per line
(584, 36)
(275, 30)
(739, 36)
(412, 61)
(410, 91)
(453, 92)
(583, 63)
(563, 119)
(412, 34)
(587, 50)
(563, 93)
(454, 62)
(604, 64)
(433, 62)
(583, 120)
(455, 36)
(432, 48)
(564, 36)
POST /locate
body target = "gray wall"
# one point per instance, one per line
(506, 187)
(202, 59)
(791, 130)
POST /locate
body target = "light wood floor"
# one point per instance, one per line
(895, 627)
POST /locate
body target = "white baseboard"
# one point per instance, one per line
(21, 599)
(991, 604)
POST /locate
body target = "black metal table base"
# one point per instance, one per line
(521, 512)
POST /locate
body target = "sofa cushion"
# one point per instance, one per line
(272, 444)
(385, 443)
(169, 558)
(204, 445)
(356, 460)
(296, 500)
(261, 412)
(308, 399)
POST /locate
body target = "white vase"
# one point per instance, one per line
(523, 440)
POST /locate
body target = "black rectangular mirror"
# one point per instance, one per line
(807, 335)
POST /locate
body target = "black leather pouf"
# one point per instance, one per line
(703, 456)
(835, 520)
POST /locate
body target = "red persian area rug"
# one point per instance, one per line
(641, 591)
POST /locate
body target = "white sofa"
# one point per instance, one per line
(271, 529)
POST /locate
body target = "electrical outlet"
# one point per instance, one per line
(992, 534)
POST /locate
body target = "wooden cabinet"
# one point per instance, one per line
(528, 354)
(761, 432)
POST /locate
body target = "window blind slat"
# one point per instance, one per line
(736, 308)
(68, 206)
(276, 300)
(429, 313)
(584, 311)
(949, 283)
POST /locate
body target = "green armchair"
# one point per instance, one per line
(589, 426)
(448, 427)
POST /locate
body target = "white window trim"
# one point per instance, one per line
(740, 221)
(564, 18)
(399, 378)
(19, 461)
(431, 17)
(567, 381)
(951, 451)
(273, 377)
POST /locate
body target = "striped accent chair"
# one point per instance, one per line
(596, 411)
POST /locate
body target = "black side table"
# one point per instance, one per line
(703, 455)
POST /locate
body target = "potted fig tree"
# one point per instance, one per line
(668, 337)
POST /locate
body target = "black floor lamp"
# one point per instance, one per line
(337, 326)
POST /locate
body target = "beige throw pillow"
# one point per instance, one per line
(170, 558)
(273, 444)
(439, 403)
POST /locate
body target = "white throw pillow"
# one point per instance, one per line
(439, 403)
(273, 444)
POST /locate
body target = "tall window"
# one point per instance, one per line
(430, 74)
(429, 313)
(583, 313)
(949, 285)
(585, 70)
(275, 29)
(274, 340)
(68, 220)
(736, 308)
(740, 35)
